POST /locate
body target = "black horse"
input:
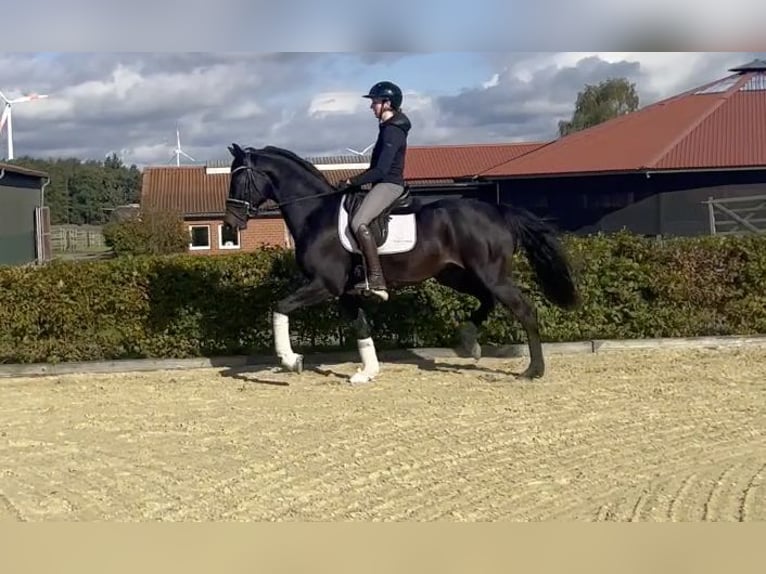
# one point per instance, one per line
(464, 244)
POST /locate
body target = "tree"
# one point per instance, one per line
(598, 103)
(84, 191)
(147, 232)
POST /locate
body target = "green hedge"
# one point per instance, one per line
(187, 305)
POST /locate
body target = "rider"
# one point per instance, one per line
(386, 173)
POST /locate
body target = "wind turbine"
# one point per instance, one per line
(178, 152)
(363, 152)
(8, 115)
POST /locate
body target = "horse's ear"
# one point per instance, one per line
(236, 151)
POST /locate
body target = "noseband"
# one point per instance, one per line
(240, 205)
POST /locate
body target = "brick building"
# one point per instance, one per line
(199, 192)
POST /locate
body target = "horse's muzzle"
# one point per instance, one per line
(237, 213)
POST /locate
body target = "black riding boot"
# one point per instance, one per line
(375, 281)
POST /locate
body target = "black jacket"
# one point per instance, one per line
(387, 162)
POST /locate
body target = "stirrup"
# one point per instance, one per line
(380, 293)
(364, 287)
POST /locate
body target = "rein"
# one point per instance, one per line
(249, 168)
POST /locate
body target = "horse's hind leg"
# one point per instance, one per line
(351, 309)
(465, 281)
(511, 296)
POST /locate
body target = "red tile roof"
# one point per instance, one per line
(459, 161)
(719, 124)
(191, 190)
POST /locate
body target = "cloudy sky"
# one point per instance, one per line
(131, 103)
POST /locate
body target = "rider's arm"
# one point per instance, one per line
(393, 139)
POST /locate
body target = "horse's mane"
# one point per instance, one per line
(287, 154)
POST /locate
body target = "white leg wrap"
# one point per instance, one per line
(282, 344)
(370, 366)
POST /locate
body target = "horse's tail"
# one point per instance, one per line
(546, 254)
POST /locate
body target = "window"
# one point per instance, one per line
(228, 238)
(200, 237)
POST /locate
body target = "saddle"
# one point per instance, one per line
(404, 204)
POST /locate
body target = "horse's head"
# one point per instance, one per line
(249, 187)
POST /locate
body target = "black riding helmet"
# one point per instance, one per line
(386, 91)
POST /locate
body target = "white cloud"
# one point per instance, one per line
(493, 81)
(239, 111)
(664, 73)
(133, 102)
(121, 83)
(336, 103)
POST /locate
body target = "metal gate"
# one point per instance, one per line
(737, 215)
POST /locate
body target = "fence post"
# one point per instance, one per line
(711, 214)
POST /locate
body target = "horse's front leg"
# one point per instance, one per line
(311, 294)
(351, 308)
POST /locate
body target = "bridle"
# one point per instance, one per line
(249, 207)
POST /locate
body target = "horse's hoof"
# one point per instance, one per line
(469, 351)
(296, 366)
(361, 377)
(469, 346)
(532, 372)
